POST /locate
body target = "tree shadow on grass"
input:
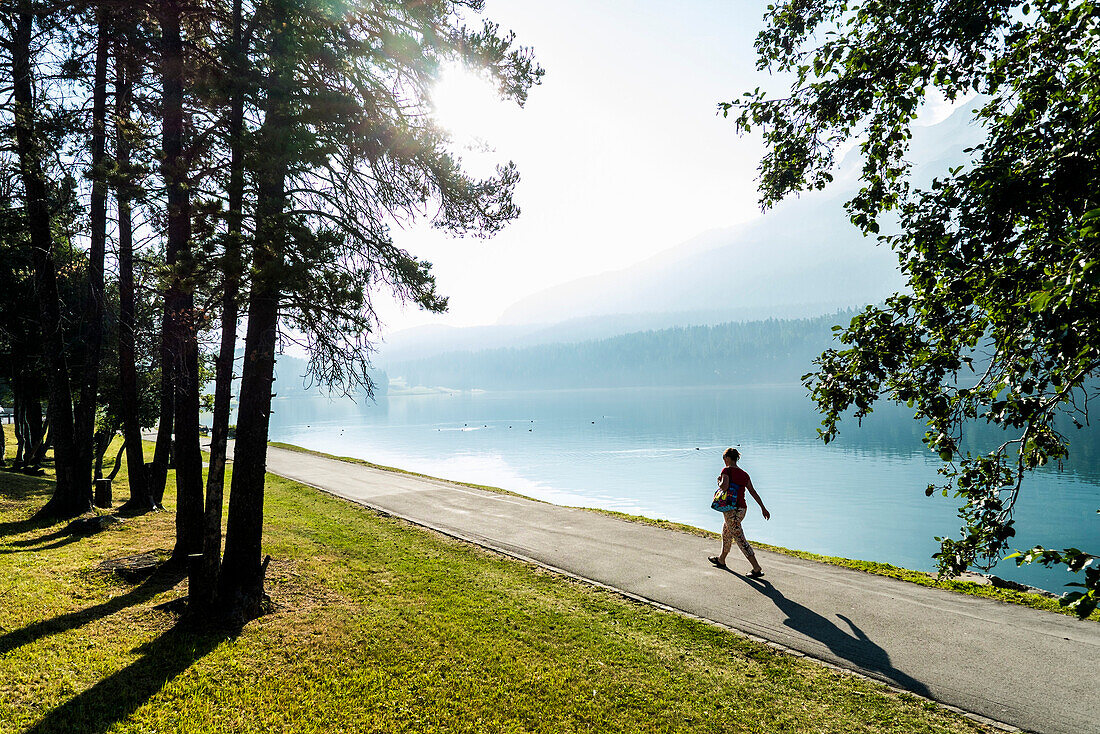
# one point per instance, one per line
(164, 579)
(118, 696)
(60, 539)
(18, 527)
(855, 646)
(19, 489)
(78, 529)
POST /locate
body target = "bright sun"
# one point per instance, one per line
(465, 104)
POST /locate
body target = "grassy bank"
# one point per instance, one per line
(1035, 601)
(381, 627)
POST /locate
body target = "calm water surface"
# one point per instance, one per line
(656, 452)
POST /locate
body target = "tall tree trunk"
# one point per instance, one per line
(72, 492)
(84, 418)
(162, 454)
(141, 496)
(182, 334)
(241, 589)
(37, 429)
(118, 461)
(19, 409)
(22, 434)
(102, 442)
(231, 267)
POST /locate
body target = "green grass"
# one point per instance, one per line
(382, 627)
(1034, 601)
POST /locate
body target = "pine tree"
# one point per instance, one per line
(348, 145)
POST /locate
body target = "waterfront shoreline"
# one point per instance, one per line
(985, 586)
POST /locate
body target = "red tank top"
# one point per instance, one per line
(738, 481)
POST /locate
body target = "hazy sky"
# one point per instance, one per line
(620, 149)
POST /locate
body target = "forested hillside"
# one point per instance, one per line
(770, 351)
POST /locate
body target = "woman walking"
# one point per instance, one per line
(730, 501)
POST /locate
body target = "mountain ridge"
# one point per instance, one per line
(799, 260)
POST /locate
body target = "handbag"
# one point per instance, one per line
(726, 499)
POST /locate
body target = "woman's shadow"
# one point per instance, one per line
(854, 646)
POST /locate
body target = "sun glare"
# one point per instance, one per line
(464, 103)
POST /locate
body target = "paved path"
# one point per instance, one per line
(1034, 670)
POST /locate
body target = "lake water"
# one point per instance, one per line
(656, 452)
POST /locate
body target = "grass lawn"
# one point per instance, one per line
(381, 627)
